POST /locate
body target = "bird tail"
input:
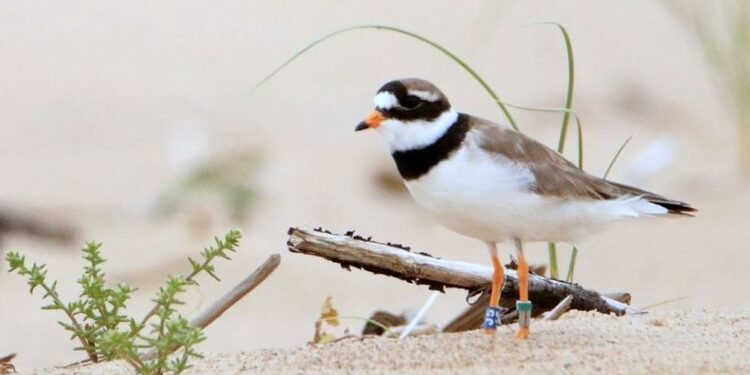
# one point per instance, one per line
(672, 207)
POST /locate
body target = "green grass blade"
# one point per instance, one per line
(553, 269)
(574, 254)
(569, 95)
(568, 112)
(566, 118)
(552, 247)
(541, 109)
(442, 49)
(617, 155)
(571, 82)
(580, 143)
(649, 307)
(572, 265)
(366, 320)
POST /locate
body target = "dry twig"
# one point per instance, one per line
(623, 297)
(226, 301)
(560, 309)
(420, 268)
(214, 311)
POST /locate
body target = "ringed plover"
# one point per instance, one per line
(492, 183)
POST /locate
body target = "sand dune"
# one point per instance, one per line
(677, 342)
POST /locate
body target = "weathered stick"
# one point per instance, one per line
(421, 268)
(560, 309)
(623, 297)
(246, 286)
(226, 301)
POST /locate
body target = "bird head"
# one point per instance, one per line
(409, 113)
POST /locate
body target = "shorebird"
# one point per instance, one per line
(492, 183)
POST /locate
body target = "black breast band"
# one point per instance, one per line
(413, 164)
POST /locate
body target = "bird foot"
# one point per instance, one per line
(524, 319)
(522, 334)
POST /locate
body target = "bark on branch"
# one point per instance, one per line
(398, 261)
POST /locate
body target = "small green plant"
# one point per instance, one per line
(98, 321)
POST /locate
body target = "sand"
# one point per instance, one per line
(103, 105)
(677, 342)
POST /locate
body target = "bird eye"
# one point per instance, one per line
(411, 102)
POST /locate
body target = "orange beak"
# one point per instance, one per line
(373, 121)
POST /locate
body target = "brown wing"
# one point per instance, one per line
(555, 175)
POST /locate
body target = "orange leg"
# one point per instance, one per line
(523, 305)
(523, 278)
(498, 279)
(492, 318)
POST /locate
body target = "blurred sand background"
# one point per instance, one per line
(104, 105)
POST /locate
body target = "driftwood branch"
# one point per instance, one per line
(560, 309)
(246, 286)
(398, 261)
(226, 301)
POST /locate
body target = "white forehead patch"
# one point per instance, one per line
(425, 95)
(385, 100)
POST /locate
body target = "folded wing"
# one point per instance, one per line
(555, 176)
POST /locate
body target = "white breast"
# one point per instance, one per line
(474, 194)
(488, 197)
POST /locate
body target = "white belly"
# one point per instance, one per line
(488, 198)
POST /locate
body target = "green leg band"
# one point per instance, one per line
(524, 313)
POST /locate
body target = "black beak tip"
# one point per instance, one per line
(361, 126)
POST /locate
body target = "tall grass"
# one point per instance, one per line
(552, 247)
(566, 111)
(402, 32)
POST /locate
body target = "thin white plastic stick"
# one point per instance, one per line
(420, 314)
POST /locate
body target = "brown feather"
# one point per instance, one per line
(556, 176)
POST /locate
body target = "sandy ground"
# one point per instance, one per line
(104, 105)
(678, 342)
